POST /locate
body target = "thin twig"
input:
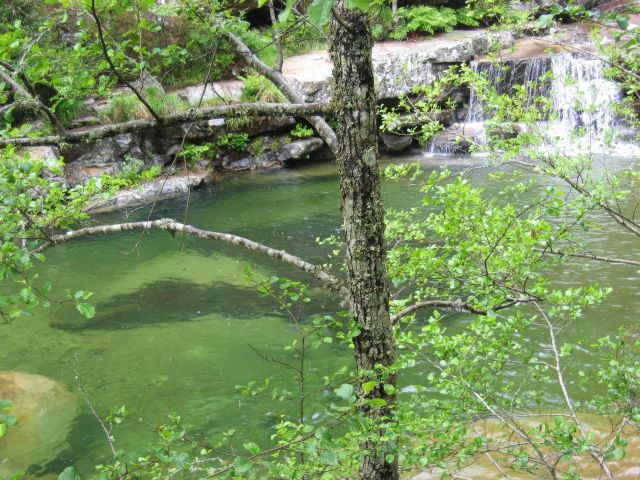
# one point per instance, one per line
(107, 431)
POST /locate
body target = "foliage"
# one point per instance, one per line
(6, 419)
(459, 254)
(256, 88)
(17, 10)
(193, 154)
(239, 142)
(33, 203)
(234, 141)
(502, 14)
(131, 174)
(302, 131)
(257, 147)
(126, 106)
(424, 19)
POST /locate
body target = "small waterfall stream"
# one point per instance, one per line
(582, 96)
(583, 99)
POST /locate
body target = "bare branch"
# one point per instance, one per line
(597, 456)
(170, 225)
(107, 431)
(590, 256)
(276, 35)
(320, 125)
(8, 76)
(107, 57)
(191, 115)
(456, 305)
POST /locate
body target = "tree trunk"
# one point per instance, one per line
(363, 215)
(394, 13)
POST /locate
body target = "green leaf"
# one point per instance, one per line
(252, 448)
(323, 434)
(622, 22)
(368, 386)
(86, 310)
(242, 465)
(284, 15)
(362, 5)
(346, 392)
(69, 473)
(329, 457)
(3, 429)
(545, 21)
(320, 12)
(377, 402)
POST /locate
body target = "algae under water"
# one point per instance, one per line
(175, 326)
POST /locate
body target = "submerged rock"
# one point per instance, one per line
(483, 468)
(44, 410)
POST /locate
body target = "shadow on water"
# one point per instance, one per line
(172, 301)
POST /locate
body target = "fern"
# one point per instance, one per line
(424, 19)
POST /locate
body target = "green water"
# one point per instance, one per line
(173, 325)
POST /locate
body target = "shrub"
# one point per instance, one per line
(257, 147)
(302, 131)
(126, 106)
(234, 141)
(192, 154)
(258, 89)
(424, 19)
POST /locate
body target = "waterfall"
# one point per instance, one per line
(583, 101)
(582, 96)
(503, 77)
(534, 69)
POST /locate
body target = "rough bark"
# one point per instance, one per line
(363, 215)
(192, 115)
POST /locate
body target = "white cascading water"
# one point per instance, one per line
(582, 97)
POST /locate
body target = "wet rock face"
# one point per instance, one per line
(398, 66)
(277, 151)
(395, 143)
(156, 146)
(45, 412)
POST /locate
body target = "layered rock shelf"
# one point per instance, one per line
(398, 66)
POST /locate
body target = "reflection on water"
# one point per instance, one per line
(175, 316)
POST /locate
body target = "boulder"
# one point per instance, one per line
(94, 159)
(44, 410)
(451, 142)
(394, 142)
(226, 89)
(275, 152)
(159, 189)
(298, 149)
